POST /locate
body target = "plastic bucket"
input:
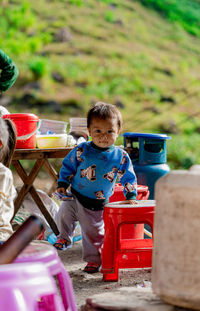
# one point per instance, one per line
(130, 231)
(26, 125)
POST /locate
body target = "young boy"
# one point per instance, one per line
(91, 169)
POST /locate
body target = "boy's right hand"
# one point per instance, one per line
(62, 195)
(61, 190)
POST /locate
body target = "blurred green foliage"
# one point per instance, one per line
(20, 26)
(110, 17)
(181, 151)
(184, 12)
(38, 66)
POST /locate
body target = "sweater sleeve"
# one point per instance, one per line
(128, 179)
(7, 195)
(68, 170)
(9, 72)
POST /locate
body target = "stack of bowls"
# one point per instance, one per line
(78, 128)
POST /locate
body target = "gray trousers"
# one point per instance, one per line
(92, 227)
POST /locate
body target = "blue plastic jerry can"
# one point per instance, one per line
(148, 153)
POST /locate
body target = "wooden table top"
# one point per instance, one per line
(37, 153)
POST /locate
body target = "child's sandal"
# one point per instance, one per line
(92, 267)
(62, 244)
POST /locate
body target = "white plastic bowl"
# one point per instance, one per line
(51, 141)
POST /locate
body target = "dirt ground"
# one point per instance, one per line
(86, 285)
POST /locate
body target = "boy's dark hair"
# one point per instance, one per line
(8, 141)
(104, 111)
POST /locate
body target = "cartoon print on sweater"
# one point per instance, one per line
(89, 173)
(79, 152)
(129, 187)
(99, 195)
(124, 160)
(110, 175)
(120, 174)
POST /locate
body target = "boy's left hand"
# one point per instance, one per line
(129, 202)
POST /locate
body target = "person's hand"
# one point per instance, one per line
(61, 190)
(129, 202)
(63, 195)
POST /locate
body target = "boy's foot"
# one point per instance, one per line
(62, 244)
(92, 267)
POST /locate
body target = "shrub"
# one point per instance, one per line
(38, 66)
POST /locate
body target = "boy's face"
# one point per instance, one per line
(103, 132)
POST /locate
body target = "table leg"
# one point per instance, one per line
(52, 172)
(27, 180)
(28, 187)
(43, 209)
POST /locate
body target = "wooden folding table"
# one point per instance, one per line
(41, 157)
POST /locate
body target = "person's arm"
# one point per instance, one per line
(128, 179)
(7, 195)
(7, 191)
(9, 72)
(68, 170)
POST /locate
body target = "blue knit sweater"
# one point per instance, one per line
(92, 173)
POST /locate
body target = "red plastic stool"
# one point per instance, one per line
(130, 231)
(118, 253)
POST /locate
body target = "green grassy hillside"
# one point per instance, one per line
(140, 55)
